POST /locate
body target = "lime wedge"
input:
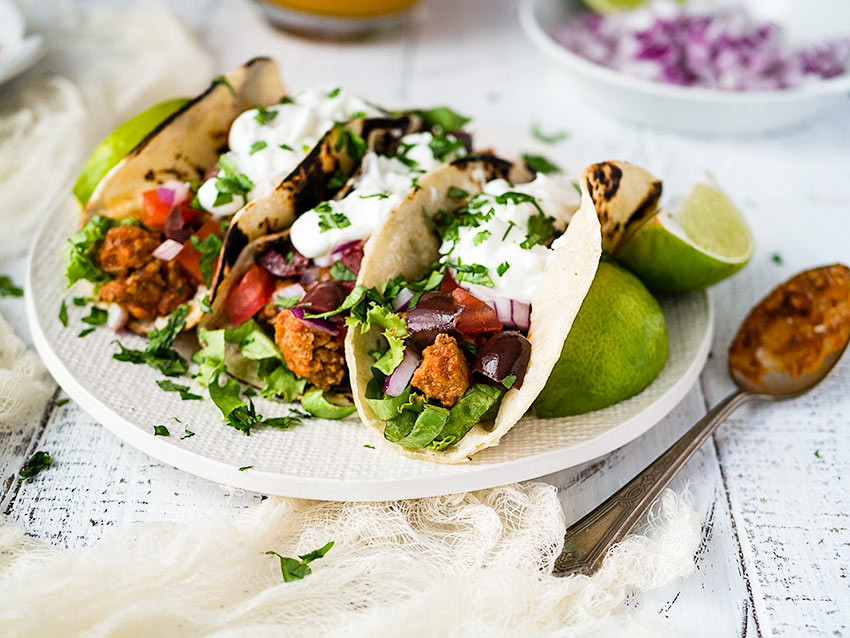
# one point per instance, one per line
(689, 246)
(612, 6)
(118, 143)
(616, 347)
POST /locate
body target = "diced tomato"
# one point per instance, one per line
(475, 315)
(249, 295)
(190, 258)
(154, 211)
(448, 284)
(188, 213)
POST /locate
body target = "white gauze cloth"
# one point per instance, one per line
(476, 564)
(24, 383)
(104, 63)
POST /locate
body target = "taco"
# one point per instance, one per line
(288, 290)
(153, 226)
(466, 306)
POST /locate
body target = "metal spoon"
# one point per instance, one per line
(588, 540)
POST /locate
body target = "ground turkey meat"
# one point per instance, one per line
(311, 354)
(443, 373)
(146, 287)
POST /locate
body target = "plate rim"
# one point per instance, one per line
(372, 489)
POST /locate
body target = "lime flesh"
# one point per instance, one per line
(616, 347)
(118, 143)
(696, 245)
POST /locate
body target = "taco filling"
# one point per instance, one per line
(147, 267)
(455, 340)
(297, 283)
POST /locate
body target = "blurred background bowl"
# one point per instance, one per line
(696, 109)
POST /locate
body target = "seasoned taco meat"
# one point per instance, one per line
(311, 354)
(146, 287)
(126, 248)
(444, 372)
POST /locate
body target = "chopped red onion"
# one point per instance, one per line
(512, 313)
(396, 382)
(343, 247)
(173, 192)
(402, 299)
(318, 324)
(175, 226)
(722, 48)
(168, 250)
(116, 317)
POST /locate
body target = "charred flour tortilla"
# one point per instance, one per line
(187, 144)
(408, 245)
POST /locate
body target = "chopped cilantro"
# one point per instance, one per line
(371, 447)
(79, 301)
(93, 522)
(334, 93)
(170, 386)
(208, 249)
(204, 304)
(354, 145)
(264, 116)
(158, 352)
(161, 430)
(85, 332)
(332, 220)
(230, 181)
(442, 117)
(540, 164)
(509, 381)
(62, 402)
(337, 181)
(552, 138)
(245, 467)
(8, 288)
(259, 145)
(38, 461)
(285, 147)
(378, 195)
(577, 187)
(457, 193)
(817, 454)
(97, 316)
(776, 258)
(220, 79)
(442, 146)
(481, 237)
(188, 433)
(502, 268)
(540, 229)
(63, 313)
(341, 272)
(473, 274)
(286, 302)
(293, 569)
(511, 224)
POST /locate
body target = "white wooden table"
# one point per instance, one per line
(772, 487)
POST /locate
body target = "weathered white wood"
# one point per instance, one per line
(774, 514)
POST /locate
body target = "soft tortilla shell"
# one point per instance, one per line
(408, 245)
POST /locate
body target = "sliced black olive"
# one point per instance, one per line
(502, 356)
(323, 296)
(435, 313)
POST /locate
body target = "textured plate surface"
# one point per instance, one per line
(326, 459)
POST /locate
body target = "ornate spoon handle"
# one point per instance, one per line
(588, 540)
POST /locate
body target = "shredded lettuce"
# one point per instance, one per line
(472, 407)
(78, 251)
(395, 332)
(315, 402)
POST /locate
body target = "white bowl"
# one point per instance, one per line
(690, 109)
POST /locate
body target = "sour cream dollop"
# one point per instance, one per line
(377, 189)
(267, 143)
(496, 244)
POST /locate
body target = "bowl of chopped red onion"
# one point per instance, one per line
(700, 67)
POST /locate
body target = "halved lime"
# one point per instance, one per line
(690, 245)
(616, 347)
(120, 142)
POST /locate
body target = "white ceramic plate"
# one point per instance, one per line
(327, 459)
(695, 109)
(17, 52)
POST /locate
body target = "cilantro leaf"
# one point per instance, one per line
(502, 268)
(334, 93)
(540, 164)
(259, 145)
(457, 193)
(8, 288)
(161, 430)
(63, 313)
(208, 249)
(442, 117)
(169, 386)
(158, 352)
(473, 274)
(355, 146)
(540, 229)
(442, 146)
(37, 462)
(552, 138)
(264, 116)
(337, 181)
(96, 317)
(481, 237)
(292, 569)
(333, 220)
(341, 272)
(230, 181)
